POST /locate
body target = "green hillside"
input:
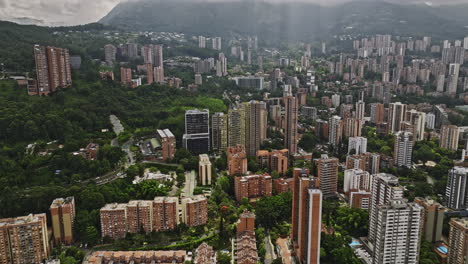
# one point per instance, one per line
(282, 21)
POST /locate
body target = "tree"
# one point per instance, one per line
(91, 199)
(224, 258)
(271, 211)
(354, 221)
(308, 142)
(253, 165)
(221, 163)
(277, 261)
(91, 235)
(427, 254)
(424, 154)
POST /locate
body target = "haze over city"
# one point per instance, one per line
(77, 12)
(233, 132)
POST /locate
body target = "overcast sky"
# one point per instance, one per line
(73, 12)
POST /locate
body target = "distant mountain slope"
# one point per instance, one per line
(297, 21)
(17, 41)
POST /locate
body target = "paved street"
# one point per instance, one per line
(130, 157)
(270, 250)
(190, 184)
(116, 125)
(174, 189)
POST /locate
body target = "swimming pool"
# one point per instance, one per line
(442, 249)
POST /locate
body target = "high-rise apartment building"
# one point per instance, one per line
(149, 73)
(221, 65)
(290, 136)
(397, 232)
(246, 249)
(158, 74)
(139, 216)
(117, 220)
(195, 210)
(449, 136)
(219, 132)
(360, 199)
(216, 43)
(327, 172)
(396, 115)
(253, 186)
(160, 214)
(246, 223)
(458, 241)
(165, 213)
(366, 161)
(237, 160)
(131, 50)
(110, 52)
(202, 42)
(255, 125)
(335, 131)
(357, 179)
(236, 127)
(147, 54)
(336, 100)
(430, 121)
(158, 57)
(352, 127)
(453, 74)
(24, 239)
(114, 221)
(385, 188)
(198, 79)
(62, 212)
(433, 219)
(52, 69)
(306, 219)
(197, 131)
(403, 149)
(418, 122)
(276, 160)
(168, 144)
(125, 75)
(456, 192)
(360, 110)
(309, 112)
(204, 170)
(358, 144)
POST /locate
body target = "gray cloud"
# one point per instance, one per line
(56, 12)
(74, 12)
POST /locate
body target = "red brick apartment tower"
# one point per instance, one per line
(24, 239)
(52, 69)
(237, 160)
(139, 216)
(328, 175)
(290, 139)
(168, 143)
(114, 220)
(253, 186)
(165, 213)
(62, 212)
(307, 219)
(195, 210)
(125, 75)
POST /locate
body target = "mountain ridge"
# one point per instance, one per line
(295, 21)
